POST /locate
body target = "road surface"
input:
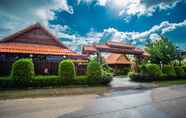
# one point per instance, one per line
(165, 102)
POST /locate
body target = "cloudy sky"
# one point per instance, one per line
(97, 21)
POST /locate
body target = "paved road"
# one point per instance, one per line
(166, 102)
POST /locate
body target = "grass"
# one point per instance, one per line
(48, 92)
(170, 82)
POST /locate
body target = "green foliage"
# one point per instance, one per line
(46, 81)
(123, 71)
(169, 71)
(66, 70)
(179, 71)
(184, 68)
(133, 76)
(22, 72)
(162, 50)
(143, 69)
(94, 70)
(153, 70)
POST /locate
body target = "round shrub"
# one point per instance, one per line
(169, 71)
(22, 72)
(66, 70)
(153, 70)
(94, 70)
(143, 69)
(179, 71)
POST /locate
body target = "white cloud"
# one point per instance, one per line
(134, 38)
(135, 7)
(17, 14)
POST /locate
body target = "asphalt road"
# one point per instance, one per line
(166, 102)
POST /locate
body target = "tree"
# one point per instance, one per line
(161, 51)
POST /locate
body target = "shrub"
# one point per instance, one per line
(22, 72)
(7, 83)
(46, 81)
(133, 76)
(66, 70)
(179, 71)
(184, 68)
(143, 68)
(169, 71)
(94, 70)
(139, 77)
(153, 70)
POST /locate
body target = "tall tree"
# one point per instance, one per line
(161, 51)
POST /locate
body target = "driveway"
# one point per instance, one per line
(165, 102)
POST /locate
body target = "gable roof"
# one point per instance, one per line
(117, 59)
(34, 34)
(35, 39)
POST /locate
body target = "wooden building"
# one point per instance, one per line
(119, 63)
(122, 55)
(38, 43)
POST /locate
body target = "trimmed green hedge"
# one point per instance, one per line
(94, 70)
(153, 70)
(179, 71)
(169, 71)
(67, 70)
(55, 81)
(22, 72)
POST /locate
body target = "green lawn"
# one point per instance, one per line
(47, 92)
(171, 82)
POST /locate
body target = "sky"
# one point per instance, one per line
(80, 22)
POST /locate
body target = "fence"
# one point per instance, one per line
(41, 68)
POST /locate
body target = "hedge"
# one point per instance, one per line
(22, 72)
(94, 70)
(67, 70)
(55, 81)
(179, 71)
(169, 71)
(153, 70)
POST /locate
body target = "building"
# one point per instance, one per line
(38, 43)
(119, 63)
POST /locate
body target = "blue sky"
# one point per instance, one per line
(78, 22)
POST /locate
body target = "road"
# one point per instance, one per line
(165, 102)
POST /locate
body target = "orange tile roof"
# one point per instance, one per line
(117, 59)
(34, 49)
(119, 45)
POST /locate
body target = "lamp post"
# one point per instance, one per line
(161, 65)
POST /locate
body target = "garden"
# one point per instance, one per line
(23, 76)
(165, 63)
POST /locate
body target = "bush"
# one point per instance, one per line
(179, 71)
(153, 70)
(22, 72)
(139, 77)
(66, 70)
(46, 81)
(133, 76)
(94, 70)
(143, 68)
(184, 68)
(169, 71)
(7, 83)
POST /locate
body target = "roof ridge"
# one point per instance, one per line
(36, 25)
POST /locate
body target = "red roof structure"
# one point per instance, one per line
(117, 59)
(112, 47)
(35, 40)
